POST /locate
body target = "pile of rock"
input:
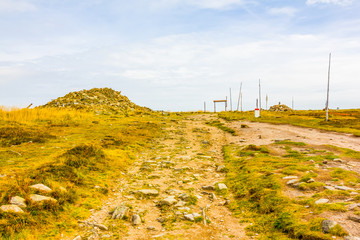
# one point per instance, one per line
(17, 203)
(100, 100)
(279, 108)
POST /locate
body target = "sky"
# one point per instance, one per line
(177, 54)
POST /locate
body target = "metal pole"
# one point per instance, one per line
(230, 101)
(259, 96)
(239, 98)
(328, 86)
(204, 106)
(267, 98)
(214, 107)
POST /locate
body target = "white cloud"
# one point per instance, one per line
(216, 4)
(337, 2)
(16, 6)
(289, 11)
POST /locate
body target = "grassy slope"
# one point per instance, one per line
(347, 121)
(71, 149)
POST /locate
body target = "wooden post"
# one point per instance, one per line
(328, 86)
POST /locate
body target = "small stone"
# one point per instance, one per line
(338, 160)
(180, 204)
(290, 177)
(354, 218)
(19, 201)
(344, 188)
(41, 188)
(184, 196)
(189, 217)
(222, 186)
(325, 162)
(136, 220)
(220, 168)
(330, 188)
(312, 161)
(351, 238)
(322, 201)
(310, 180)
(11, 209)
(208, 187)
(148, 192)
(40, 198)
(327, 225)
(292, 182)
(352, 206)
(120, 212)
(101, 226)
(198, 196)
(196, 215)
(212, 196)
(170, 200)
(151, 228)
(77, 238)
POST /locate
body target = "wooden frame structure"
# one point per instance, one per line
(217, 101)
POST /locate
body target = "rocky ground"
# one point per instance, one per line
(175, 190)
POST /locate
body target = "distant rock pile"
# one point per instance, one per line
(100, 100)
(279, 108)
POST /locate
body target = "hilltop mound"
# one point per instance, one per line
(102, 100)
(279, 108)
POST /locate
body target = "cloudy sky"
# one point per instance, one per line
(176, 54)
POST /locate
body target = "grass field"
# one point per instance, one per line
(79, 151)
(347, 121)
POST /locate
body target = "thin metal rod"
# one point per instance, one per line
(230, 101)
(328, 87)
(259, 96)
(239, 97)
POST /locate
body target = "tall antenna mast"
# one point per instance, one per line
(239, 98)
(267, 99)
(328, 86)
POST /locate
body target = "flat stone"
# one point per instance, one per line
(292, 181)
(208, 187)
(290, 177)
(41, 188)
(344, 188)
(151, 228)
(77, 238)
(338, 160)
(184, 196)
(148, 192)
(135, 219)
(351, 238)
(310, 180)
(11, 209)
(170, 200)
(352, 206)
(354, 218)
(220, 168)
(222, 186)
(180, 204)
(322, 201)
(120, 212)
(196, 215)
(39, 198)
(327, 225)
(189, 217)
(19, 201)
(330, 188)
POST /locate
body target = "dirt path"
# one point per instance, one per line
(178, 169)
(265, 133)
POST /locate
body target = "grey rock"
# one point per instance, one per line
(212, 196)
(220, 168)
(352, 206)
(77, 238)
(344, 188)
(170, 200)
(354, 218)
(290, 177)
(148, 192)
(151, 228)
(19, 201)
(292, 181)
(338, 160)
(11, 209)
(330, 188)
(180, 204)
(120, 212)
(351, 238)
(222, 186)
(184, 196)
(39, 198)
(208, 187)
(196, 215)
(310, 180)
(41, 188)
(189, 217)
(327, 225)
(322, 201)
(135, 219)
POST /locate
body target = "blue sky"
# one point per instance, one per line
(176, 54)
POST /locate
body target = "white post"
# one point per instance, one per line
(328, 86)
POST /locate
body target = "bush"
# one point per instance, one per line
(83, 155)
